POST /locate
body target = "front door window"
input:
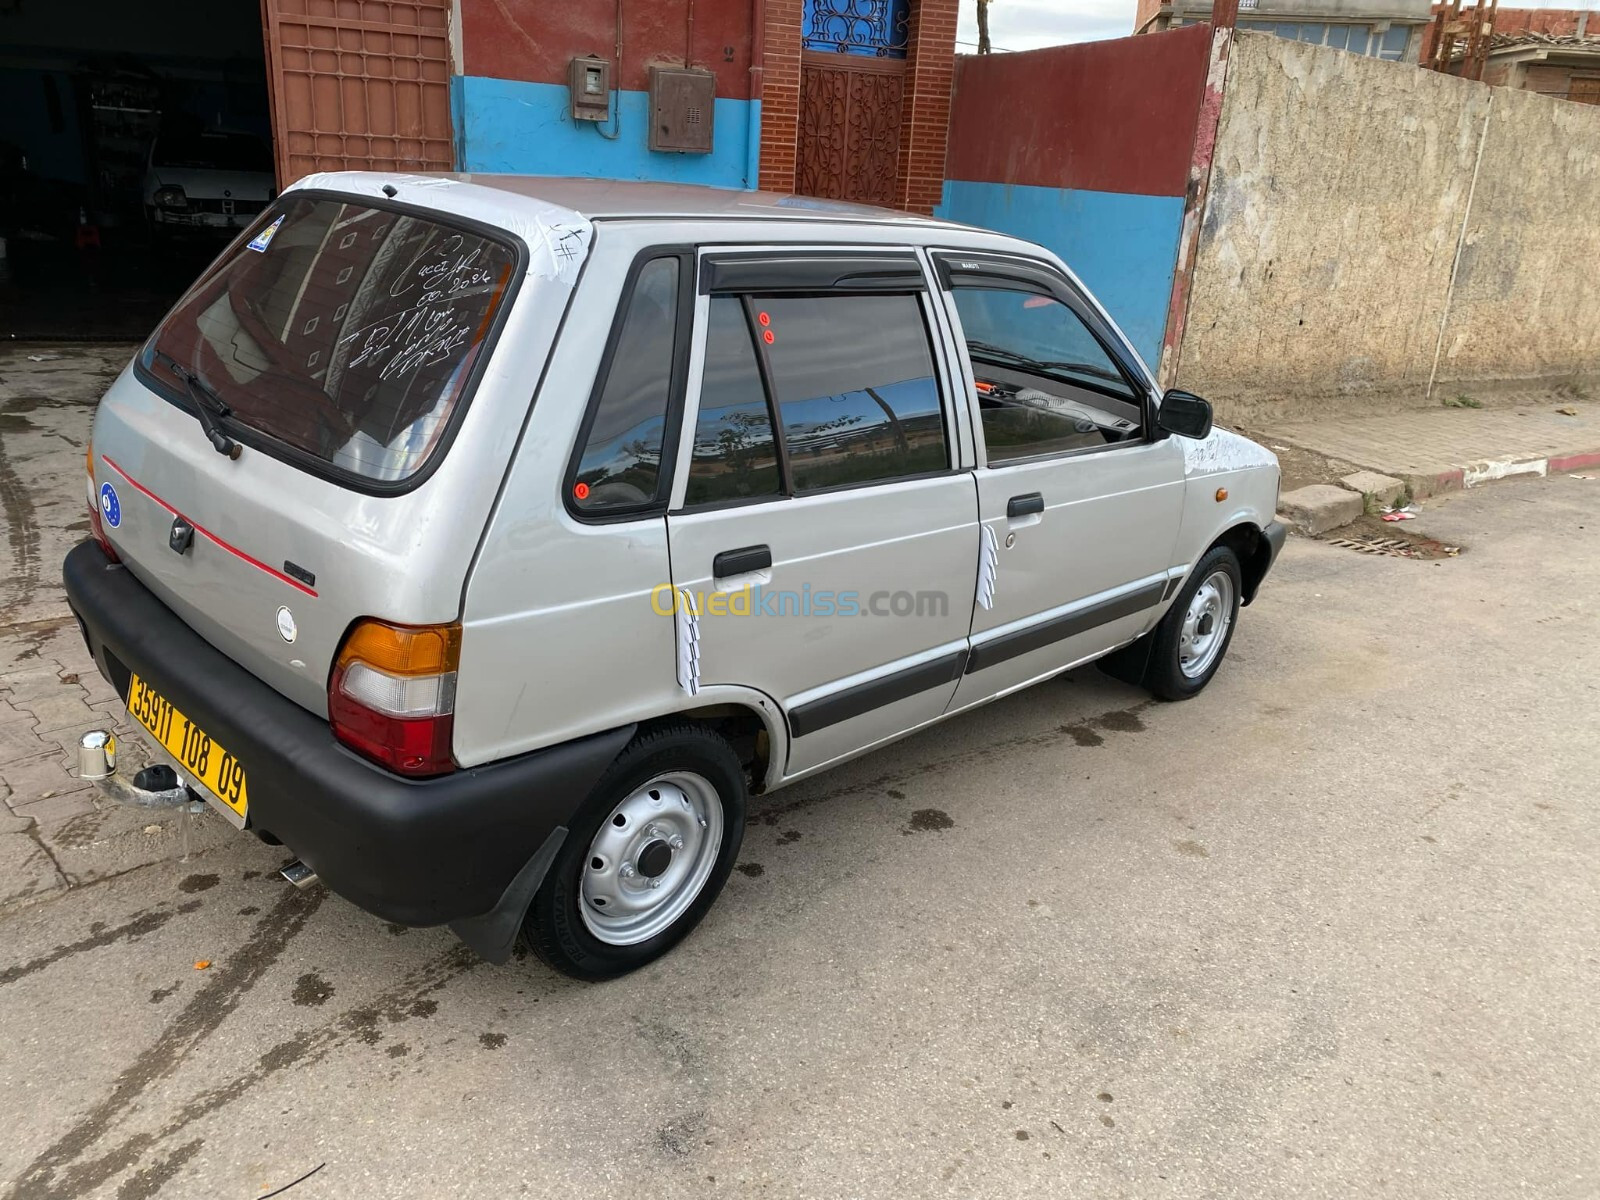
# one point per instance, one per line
(1045, 384)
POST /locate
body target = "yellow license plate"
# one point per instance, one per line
(191, 747)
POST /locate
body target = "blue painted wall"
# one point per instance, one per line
(515, 126)
(1123, 246)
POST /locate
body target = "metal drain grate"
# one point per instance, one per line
(1396, 547)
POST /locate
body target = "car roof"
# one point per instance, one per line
(607, 199)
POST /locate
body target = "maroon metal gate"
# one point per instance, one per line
(849, 136)
(359, 84)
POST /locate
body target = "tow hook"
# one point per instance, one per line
(153, 787)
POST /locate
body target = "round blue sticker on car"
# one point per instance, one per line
(110, 506)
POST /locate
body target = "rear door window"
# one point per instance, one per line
(345, 332)
(735, 454)
(808, 392)
(855, 385)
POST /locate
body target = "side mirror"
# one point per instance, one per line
(1184, 414)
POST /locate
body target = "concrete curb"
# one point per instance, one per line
(1425, 485)
(1320, 510)
(1491, 469)
(1573, 462)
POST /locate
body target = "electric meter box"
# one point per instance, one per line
(589, 82)
(682, 106)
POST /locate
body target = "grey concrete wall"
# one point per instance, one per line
(1338, 197)
(1527, 290)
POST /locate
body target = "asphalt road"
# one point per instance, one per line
(1331, 929)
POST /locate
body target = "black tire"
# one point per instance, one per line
(555, 930)
(1164, 675)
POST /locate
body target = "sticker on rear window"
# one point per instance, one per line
(110, 505)
(262, 240)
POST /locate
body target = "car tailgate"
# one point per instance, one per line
(281, 560)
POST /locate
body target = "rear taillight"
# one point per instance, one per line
(97, 528)
(392, 696)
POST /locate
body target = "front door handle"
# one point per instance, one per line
(742, 561)
(1025, 506)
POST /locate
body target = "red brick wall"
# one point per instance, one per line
(1554, 21)
(925, 117)
(780, 95)
(1145, 13)
(1551, 80)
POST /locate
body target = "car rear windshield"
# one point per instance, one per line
(343, 331)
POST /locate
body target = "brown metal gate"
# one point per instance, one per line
(359, 85)
(849, 136)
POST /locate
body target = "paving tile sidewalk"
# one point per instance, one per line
(1439, 449)
(55, 831)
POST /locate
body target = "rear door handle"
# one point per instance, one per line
(739, 562)
(1025, 506)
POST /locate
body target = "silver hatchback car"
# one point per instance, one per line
(487, 541)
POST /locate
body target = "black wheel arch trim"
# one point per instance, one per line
(1255, 566)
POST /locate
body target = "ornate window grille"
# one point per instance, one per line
(875, 28)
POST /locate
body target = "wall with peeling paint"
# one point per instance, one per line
(1526, 302)
(1340, 191)
(1337, 193)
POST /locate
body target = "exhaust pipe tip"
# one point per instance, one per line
(299, 874)
(97, 755)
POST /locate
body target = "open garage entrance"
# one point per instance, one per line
(137, 139)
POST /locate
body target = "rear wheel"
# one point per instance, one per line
(1191, 640)
(645, 858)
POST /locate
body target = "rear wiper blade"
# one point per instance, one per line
(208, 406)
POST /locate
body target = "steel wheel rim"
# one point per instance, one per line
(1205, 625)
(643, 871)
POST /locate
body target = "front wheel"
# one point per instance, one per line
(645, 858)
(1193, 636)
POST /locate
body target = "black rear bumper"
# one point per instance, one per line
(418, 852)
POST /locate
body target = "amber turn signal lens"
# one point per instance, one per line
(403, 649)
(1222, 494)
